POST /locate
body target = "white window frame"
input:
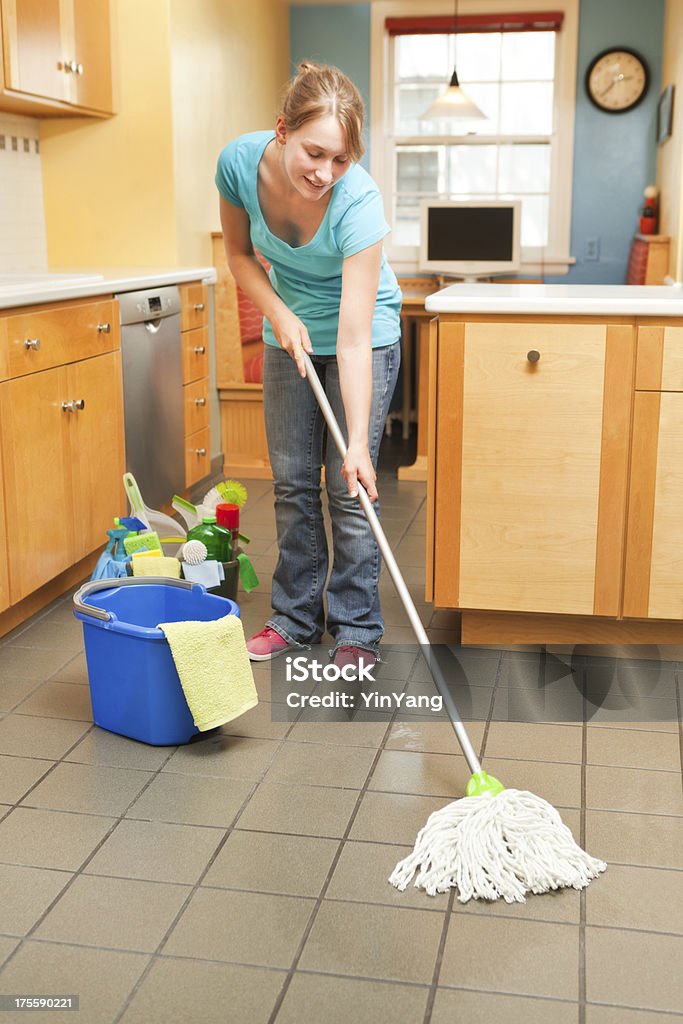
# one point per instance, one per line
(556, 258)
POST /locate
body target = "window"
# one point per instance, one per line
(520, 80)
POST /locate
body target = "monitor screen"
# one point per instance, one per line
(470, 238)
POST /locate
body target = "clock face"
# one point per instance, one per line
(617, 80)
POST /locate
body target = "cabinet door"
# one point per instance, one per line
(34, 48)
(97, 449)
(530, 511)
(4, 575)
(92, 48)
(37, 479)
(654, 553)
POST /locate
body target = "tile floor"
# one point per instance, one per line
(243, 877)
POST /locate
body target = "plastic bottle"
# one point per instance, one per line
(217, 539)
(228, 516)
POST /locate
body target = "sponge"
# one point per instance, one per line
(136, 541)
(164, 566)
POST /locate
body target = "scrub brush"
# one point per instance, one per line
(194, 552)
(230, 491)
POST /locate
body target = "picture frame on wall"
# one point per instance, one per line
(665, 111)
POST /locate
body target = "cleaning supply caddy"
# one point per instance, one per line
(134, 684)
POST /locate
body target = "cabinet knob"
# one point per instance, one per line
(533, 356)
(74, 405)
(200, 401)
(200, 349)
(199, 307)
(79, 69)
(104, 328)
(70, 66)
(32, 343)
(200, 451)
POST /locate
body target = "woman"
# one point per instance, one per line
(298, 196)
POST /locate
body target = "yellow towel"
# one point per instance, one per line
(163, 566)
(214, 669)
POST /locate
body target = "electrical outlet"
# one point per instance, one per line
(592, 250)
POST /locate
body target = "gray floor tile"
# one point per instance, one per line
(59, 700)
(46, 635)
(26, 893)
(224, 757)
(191, 800)
(473, 702)
(559, 784)
(191, 990)
(301, 810)
(632, 897)
(651, 713)
(396, 944)
(556, 702)
(319, 997)
(430, 737)
(13, 691)
(118, 913)
(630, 678)
(535, 741)
(102, 978)
(107, 748)
(489, 1008)
(401, 771)
(350, 733)
(646, 839)
(25, 735)
(631, 789)
(362, 874)
(156, 851)
(480, 954)
(628, 748)
(30, 663)
(321, 764)
(622, 1015)
(75, 671)
(50, 839)
(18, 774)
(633, 969)
(241, 927)
(92, 789)
(271, 862)
(7, 946)
(257, 723)
(392, 817)
(562, 906)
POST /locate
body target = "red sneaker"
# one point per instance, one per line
(357, 657)
(266, 645)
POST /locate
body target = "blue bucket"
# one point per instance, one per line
(134, 685)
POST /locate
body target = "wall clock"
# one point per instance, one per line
(617, 80)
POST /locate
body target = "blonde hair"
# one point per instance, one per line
(319, 90)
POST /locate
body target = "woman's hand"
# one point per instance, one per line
(292, 336)
(358, 466)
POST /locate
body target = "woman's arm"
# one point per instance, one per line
(290, 332)
(360, 281)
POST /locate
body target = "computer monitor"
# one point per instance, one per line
(471, 238)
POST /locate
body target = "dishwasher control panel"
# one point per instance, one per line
(136, 307)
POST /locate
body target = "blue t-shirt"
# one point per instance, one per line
(308, 278)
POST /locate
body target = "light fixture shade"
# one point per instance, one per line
(455, 104)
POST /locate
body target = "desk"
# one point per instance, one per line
(413, 313)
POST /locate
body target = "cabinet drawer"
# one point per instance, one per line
(42, 339)
(195, 354)
(196, 401)
(197, 457)
(194, 305)
(659, 365)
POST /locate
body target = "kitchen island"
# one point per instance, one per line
(555, 462)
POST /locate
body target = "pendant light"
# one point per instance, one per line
(454, 103)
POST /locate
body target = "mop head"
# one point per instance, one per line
(492, 846)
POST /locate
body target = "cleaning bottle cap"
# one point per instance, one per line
(228, 516)
(209, 519)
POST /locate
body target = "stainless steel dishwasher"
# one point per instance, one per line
(151, 352)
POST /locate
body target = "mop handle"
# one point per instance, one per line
(395, 573)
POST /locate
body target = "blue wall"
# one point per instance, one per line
(339, 35)
(614, 154)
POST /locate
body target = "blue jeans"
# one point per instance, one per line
(295, 428)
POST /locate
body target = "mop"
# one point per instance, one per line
(494, 842)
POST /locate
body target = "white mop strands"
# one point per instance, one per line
(496, 846)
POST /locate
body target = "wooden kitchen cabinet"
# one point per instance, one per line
(4, 575)
(57, 57)
(528, 465)
(62, 444)
(194, 319)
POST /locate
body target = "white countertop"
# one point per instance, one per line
(29, 289)
(576, 299)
